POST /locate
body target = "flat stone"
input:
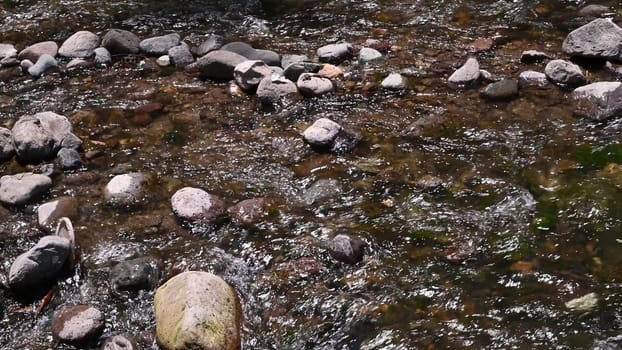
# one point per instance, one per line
(213, 42)
(33, 52)
(564, 73)
(80, 45)
(274, 88)
(7, 150)
(197, 310)
(7, 51)
(102, 56)
(45, 64)
(50, 212)
(348, 249)
(369, 55)
(598, 101)
(394, 81)
(78, 325)
(533, 56)
(249, 74)
(121, 42)
(532, 78)
(21, 188)
(159, 45)
(135, 274)
(313, 85)
(466, 76)
(39, 137)
(505, 89)
(40, 265)
(125, 189)
(180, 55)
(334, 53)
(196, 205)
(598, 39)
(217, 65)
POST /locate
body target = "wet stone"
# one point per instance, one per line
(241, 48)
(159, 45)
(120, 342)
(33, 52)
(481, 45)
(78, 63)
(249, 74)
(313, 85)
(345, 141)
(218, 65)
(180, 55)
(271, 58)
(334, 53)
(121, 42)
(125, 189)
(594, 10)
(7, 51)
(7, 150)
(135, 274)
(249, 211)
(40, 136)
(598, 39)
(294, 70)
(40, 265)
(505, 89)
(369, 55)
(50, 212)
(22, 188)
(213, 42)
(394, 81)
(466, 76)
(533, 56)
(102, 56)
(80, 45)
(598, 101)
(532, 78)
(69, 159)
(347, 248)
(78, 325)
(274, 88)
(564, 73)
(322, 133)
(196, 205)
(320, 191)
(330, 71)
(45, 64)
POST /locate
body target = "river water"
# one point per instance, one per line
(482, 219)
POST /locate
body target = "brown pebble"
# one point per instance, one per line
(142, 119)
(481, 45)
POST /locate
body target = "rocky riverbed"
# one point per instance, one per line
(310, 175)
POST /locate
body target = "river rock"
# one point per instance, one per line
(78, 63)
(533, 56)
(45, 64)
(180, 55)
(287, 60)
(394, 81)
(195, 205)
(80, 45)
(330, 71)
(102, 56)
(294, 70)
(50, 212)
(322, 133)
(40, 265)
(598, 39)
(33, 52)
(505, 89)
(583, 304)
(78, 325)
(594, 10)
(564, 73)
(38, 137)
(159, 45)
(197, 310)
(466, 76)
(7, 150)
(213, 42)
(218, 65)
(249, 74)
(249, 211)
(347, 248)
(241, 48)
(164, 61)
(135, 274)
(270, 58)
(313, 85)
(334, 53)
(9, 62)
(21, 188)
(599, 101)
(125, 189)
(274, 88)
(71, 141)
(69, 159)
(7, 51)
(532, 78)
(120, 342)
(121, 42)
(320, 191)
(369, 55)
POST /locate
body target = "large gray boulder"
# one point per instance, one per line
(197, 310)
(249, 74)
(80, 45)
(466, 76)
(195, 205)
(33, 52)
(21, 188)
(218, 64)
(7, 150)
(598, 101)
(41, 264)
(39, 137)
(159, 45)
(121, 42)
(600, 38)
(564, 73)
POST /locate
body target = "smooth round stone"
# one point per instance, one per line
(505, 89)
(121, 42)
(102, 56)
(466, 76)
(78, 325)
(22, 188)
(40, 265)
(241, 48)
(125, 189)
(78, 63)
(322, 133)
(80, 45)
(330, 71)
(33, 52)
(135, 274)
(25, 65)
(369, 55)
(347, 248)
(394, 81)
(159, 45)
(7, 150)
(313, 85)
(45, 64)
(274, 88)
(196, 205)
(163, 61)
(334, 53)
(249, 74)
(594, 10)
(564, 73)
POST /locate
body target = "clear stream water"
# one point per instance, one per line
(525, 213)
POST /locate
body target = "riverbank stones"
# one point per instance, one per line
(213, 42)
(313, 85)
(533, 56)
(82, 44)
(78, 325)
(197, 310)
(50, 212)
(22, 188)
(7, 51)
(347, 248)
(135, 274)
(45, 64)
(69, 159)
(532, 78)
(598, 101)
(249, 211)
(33, 52)
(40, 265)
(598, 39)
(180, 55)
(270, 58)
(102, 56)
(564, 73)
(39, 137)
(121, 42)
(197, 206)
(294, 70)
(466, 76)
(394, 81)
(217, 65)
(334, 53)
(289, 59)
(505, 89)
(249, 74)
(275, 88)
(321, 133)
(369, 55)
(7, 150)
(125, 189)
(159, 45)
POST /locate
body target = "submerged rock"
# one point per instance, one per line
(218, 64)
(78, 325)
(586, 303)
(466, 76)
(159, 45)
(598, 101)
(121, 42)
(38, 137)
(594, 10)
(195, 205)
(197, 310)
(7, 150)
(320, 191)
(505, 89)
(80, 45)
(249, 211)
(125, 189)
(598, 39)
(347, 248)
(135, 274)
(33, 52)
(21, 188)
(335, 53)
(41, 265)
(564, 73)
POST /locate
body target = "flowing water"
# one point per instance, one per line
(482, 219)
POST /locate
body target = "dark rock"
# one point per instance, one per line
(136, 274)
(120, 342)
(218, 64)
(505, 89)
(274, 88)
(80, 45)
(196, 205)
(21, 188)
(213, 42)
(49, 213)
(294, 70)
(345, 141)
(564, 73)
(159, 45)
(335, 53)
(249, 211)
(320, 191)
(39, 137)
(7, 150)
(121, 42)
(102, 56)
(125, 189)
(45, 64)
(180, 55)
(69, 159)
(33, 52)
(466, 76)
(598, 39)
(313, 85)
(78, 325)
(599, 101)
(533, 56)
(532, 78)
(249, 74)
(347, 248)
(40, 265)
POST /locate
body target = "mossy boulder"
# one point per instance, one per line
(197, 310)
